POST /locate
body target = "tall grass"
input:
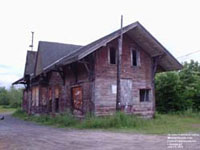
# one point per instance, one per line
(62, 120)
(161, 124)
(118, 120)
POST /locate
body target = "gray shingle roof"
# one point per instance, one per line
(138, 33)
(29, 66)
(50, 52)
(30, 62)
(85, 50)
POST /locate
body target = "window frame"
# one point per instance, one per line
(146, 93)
(137, 57)
(109, 60)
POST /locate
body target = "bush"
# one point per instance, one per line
(11, 97)
(4, 98)
(179, 91)
(168, 93)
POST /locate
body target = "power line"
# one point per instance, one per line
(188, 54)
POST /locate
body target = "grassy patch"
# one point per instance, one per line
(4, 109)
(162, 124)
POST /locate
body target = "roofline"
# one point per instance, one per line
(36, 60)
(95, 47)
(80, 57)
(181, 66)
(28, 51)
(58, 43)
(18, 81)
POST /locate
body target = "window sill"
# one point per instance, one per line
(145, 102)
(136, 67)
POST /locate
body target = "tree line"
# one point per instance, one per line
(180, 90)
(11, 97)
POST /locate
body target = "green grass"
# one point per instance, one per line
(162, 124)
(4, 109)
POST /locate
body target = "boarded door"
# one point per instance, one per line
(126, 92)
(77, 96)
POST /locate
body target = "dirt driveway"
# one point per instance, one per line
(20, 135)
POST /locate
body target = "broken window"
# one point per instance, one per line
(135, 57)
(144, 95)
(112, 55)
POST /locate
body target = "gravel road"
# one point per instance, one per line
(16, 134)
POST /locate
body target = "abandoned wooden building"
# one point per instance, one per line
(82, 79)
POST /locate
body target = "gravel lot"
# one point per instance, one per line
(16, 134)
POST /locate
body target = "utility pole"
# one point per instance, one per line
(31, 46)
(119, 55)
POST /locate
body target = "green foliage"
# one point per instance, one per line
(4, 98)
(179, 91)
(190, 77)
(161, 124)
(61, 120)
(119, 120)
(6, 109)
(10, 97)
(168, 90)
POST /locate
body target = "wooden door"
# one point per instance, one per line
(126, 92)
(77, 96)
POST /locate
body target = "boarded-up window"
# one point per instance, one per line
(43, 95)
(112, 55)
(35, 96)
(77, 97)
(57, 92)
(144, 95)
(126, 92)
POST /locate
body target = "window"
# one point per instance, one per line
(43, 95)
(135, 57)
(144, 95)
(112, 55)
(35, 96)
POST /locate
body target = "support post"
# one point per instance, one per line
(119, 53)
(154, 69)
(53, 99)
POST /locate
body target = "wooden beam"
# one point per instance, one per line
(119, 53)
(154, 69)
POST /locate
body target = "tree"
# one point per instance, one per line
(15, 97)
(179, 91)
(4, 99)
(168, 88)
(11, 97)
(190, 77)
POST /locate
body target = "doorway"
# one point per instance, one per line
(77, 98)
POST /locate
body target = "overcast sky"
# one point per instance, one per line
(174, 23)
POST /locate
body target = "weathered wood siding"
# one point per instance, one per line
(79, 78)
(105, 78)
